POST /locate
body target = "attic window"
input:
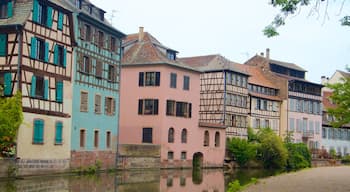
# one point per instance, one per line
(102, 15)
(4, 10)
(90, 9)
(78, 4)
(171, 55)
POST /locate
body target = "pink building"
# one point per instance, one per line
(159, 118)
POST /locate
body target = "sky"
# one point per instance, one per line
(233, 28)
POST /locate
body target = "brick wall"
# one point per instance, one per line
(138, 156)
(89, 158)
(41, 166)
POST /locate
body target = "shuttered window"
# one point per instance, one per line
(39, 87)
(3, 45)
(42, 14)
(7, 84)
(60, 56)
(109, 106)
(6, 9)
(98, 104)
(39, 49)
(60, 21)
(84, 101)
(99, 69)
(38, 131)
(149, 78)
(58, 135)
(59, 91)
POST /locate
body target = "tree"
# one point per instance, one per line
(271, 150)
(242, 150)
(341, 98)
(11, 117)
(291, 7)
(299, 156)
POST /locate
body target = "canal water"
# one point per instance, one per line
(208, 180)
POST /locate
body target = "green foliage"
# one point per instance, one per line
(11, 117)
(299, 156)
(242, 150)
(271, 150)
(234, 186)
(340, 97)
(89, 170)
(333, 153)
(346, 159)
(254, 180)
(252, 137)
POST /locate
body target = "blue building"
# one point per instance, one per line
(95, 93)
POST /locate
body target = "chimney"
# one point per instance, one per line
(267, 53)
(141, 34)
(262, 54)
(324, 80)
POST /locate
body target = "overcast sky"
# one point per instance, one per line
(233, 28)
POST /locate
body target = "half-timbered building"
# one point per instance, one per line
(95, 115)
(36, 40)
(224, 93)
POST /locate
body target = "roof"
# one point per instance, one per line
(147, 52)
(264, 96)
(344, 74)
(287, 65)
(209, 63)
(21, 13)
(257, 76)
(326, 101)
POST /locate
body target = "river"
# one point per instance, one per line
(207, 180)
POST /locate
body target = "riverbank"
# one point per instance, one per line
(321, 179)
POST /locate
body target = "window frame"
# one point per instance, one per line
(186, 83)
(148, 103)
(82, 138)
(110, 106)
(57, 141)
(147, 135)
(171, 135)
(96, 138)
(82, 107)
(173, 80)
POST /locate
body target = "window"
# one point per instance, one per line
(186, 83)
(324, 133)
(304, 124)
(171, 55)
(58, 135)
(84, 101)
(6, 84)
(90, 9)
(182, 181)
(113, 45)
(149, 78)
(39, 49)
(184, 136)
(148, 107)
(170, 107)
(217, 139)
(183, 155)
(60, 56)
(110, 106)
(78, 4)
(96, 138)
(173, 78)
(291, 124)
(98, 104)
(3, 45)
(267, 123)
(183, 109)
(206, 138)
(40, 87)
(59, 91)
(147, 135)
(257, 123)
(108, 139)
(102, 15)
(170, 155)
(171, 135)
(60, 21)
(86, 65)
(6, 9)
(82, 138)
(99, 69)
(87, 34)
(111, 73)
(169, 182)
(101, 41)
(38, 134)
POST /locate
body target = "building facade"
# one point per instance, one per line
(36, 42)
(96, 87)
(337, 139)
(160, 109)
(224, 93)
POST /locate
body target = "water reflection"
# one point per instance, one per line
(210, 180)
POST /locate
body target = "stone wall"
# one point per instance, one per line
(41, 166)
(5, 165)
(325, 162)
(138, 156)
(89, 158)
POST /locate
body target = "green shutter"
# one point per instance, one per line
(46, 89)
(38, 131)
(46, 57)
(32, 90)
(9, 9)
(3, 44)
(55, 55)
(8, 84)
(33, 48)
(35, 11)
(59, 91)
(60, 21)
(49, 17)
(64, 57)
(58, 138)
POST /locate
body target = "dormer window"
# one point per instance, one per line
(78, 4)
(6, 9)
(171, 55)
(90, 9)
(102, 15)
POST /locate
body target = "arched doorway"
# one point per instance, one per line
(197, 161)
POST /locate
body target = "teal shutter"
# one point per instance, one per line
(46, 89)
(46, 57)
(35, 11)
(55, 55)
(9, 9)
(60, 21)
(8, 84)
(64, 57)
(33, 48)
(49, 17)
(58, 138)
(38, 131)
(3, 44)
(32, 90)
(59, 91)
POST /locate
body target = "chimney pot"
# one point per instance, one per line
(262, 53)
(267, 53)
(141, 33)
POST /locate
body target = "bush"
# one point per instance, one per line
(299, 156)
(271, 150)
(234, 186)
(242, 150)
(346, 159)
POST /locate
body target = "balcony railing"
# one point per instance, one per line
(308, 134)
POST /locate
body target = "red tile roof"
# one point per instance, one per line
(327, 104)
(257, 77)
